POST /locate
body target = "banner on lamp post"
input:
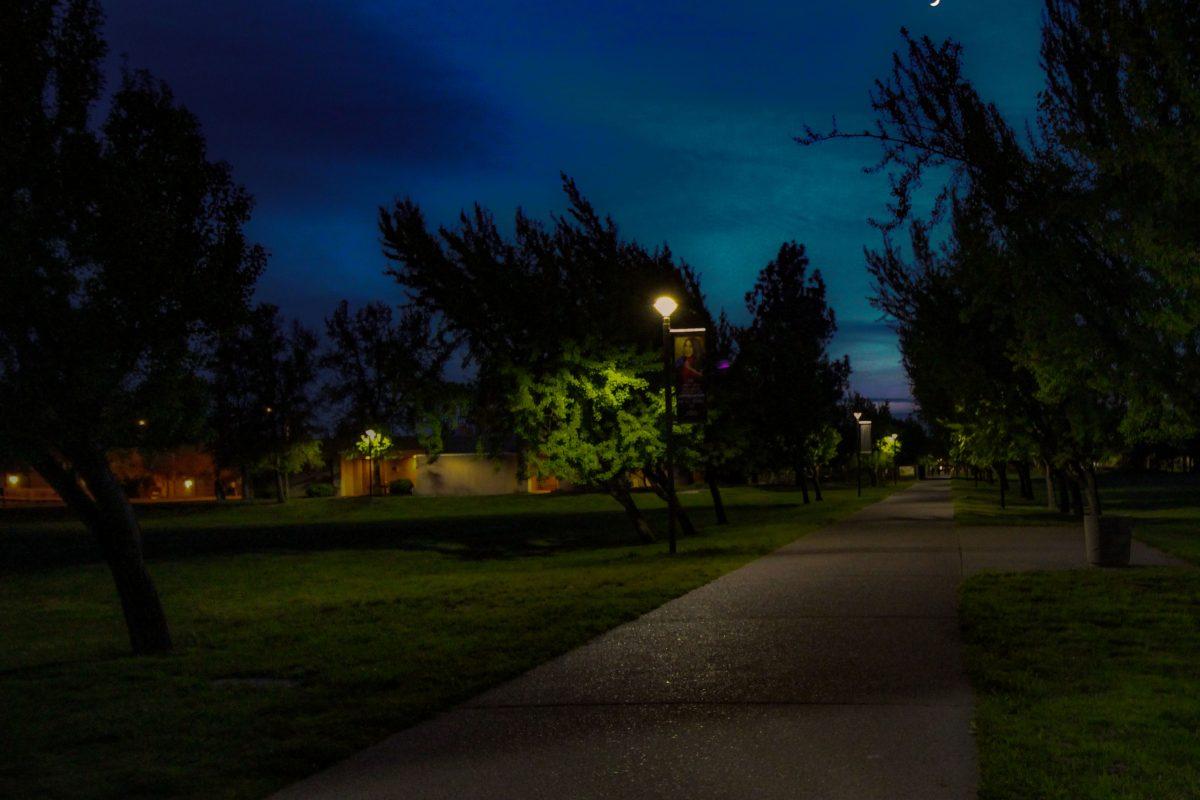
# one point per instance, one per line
(864, 437)
(689, 355)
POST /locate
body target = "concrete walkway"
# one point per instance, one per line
(829, 669)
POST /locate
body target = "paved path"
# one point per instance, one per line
(829, 669)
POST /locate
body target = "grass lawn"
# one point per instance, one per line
(363, 616)
(1088, 682)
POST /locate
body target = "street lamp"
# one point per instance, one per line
(666, 306)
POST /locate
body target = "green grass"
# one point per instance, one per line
(1087, 682)
(377, 612)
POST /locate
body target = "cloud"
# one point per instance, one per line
(308, 82)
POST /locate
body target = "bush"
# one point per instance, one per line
(401, 486)
(319, 490)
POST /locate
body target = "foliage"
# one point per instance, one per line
(264, 413)
(297, 457)
(588, 283)
(593, 419)
(790, 388)
(373, 444)
(319, 490)
(887, 449)
(384, 370)
(1067, 283)
(400, 486)
(121, 253)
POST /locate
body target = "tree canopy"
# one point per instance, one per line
(122, 253)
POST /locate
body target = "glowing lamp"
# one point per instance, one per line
(188, 483)
(13, 480)
(665, 306)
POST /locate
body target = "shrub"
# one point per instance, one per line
(401, 486)
(319, 490)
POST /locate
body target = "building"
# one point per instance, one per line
(448, 474)
(185, 473)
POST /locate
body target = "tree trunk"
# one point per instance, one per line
(1002, 469)
(1063, 489)
(280, 486)
(1048, 475)
(247, 491)
(801, 482)
(1092, 491)
(715, 490)
(658, 482)
(619, 490)
(816, 480)
(1026, 479)
(218, 484)
(106, 511)
(1076, 498)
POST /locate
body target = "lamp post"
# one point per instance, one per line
(666, 306)
(864, 427)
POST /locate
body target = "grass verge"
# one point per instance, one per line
(307, 632)
(1086, 681)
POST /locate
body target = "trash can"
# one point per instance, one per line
(1108, 540)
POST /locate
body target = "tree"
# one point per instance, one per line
(374, 445)
(1076, 306)
(794, 388)
(888, 449)
(264, 415)
(1121, 110)
(957, 326)
(122, 251)
(592, 421)
(385, 371)
(589, 284)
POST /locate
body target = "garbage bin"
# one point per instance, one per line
(1108, 540)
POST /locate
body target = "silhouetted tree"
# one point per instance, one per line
(1085, 306)
(386, 371)
(264, 416)
(121, 251)
(520, 304)
(792, 387)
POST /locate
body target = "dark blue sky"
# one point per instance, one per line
(676, 118)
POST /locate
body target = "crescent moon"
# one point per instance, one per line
(934, 4)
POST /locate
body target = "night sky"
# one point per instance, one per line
(675, 118)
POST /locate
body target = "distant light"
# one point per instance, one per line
(371, 434)
(665, 306)
(141, 423)
(189, 483)
(13, 480)
(858, 415)
(268, 409)
(723, 364)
